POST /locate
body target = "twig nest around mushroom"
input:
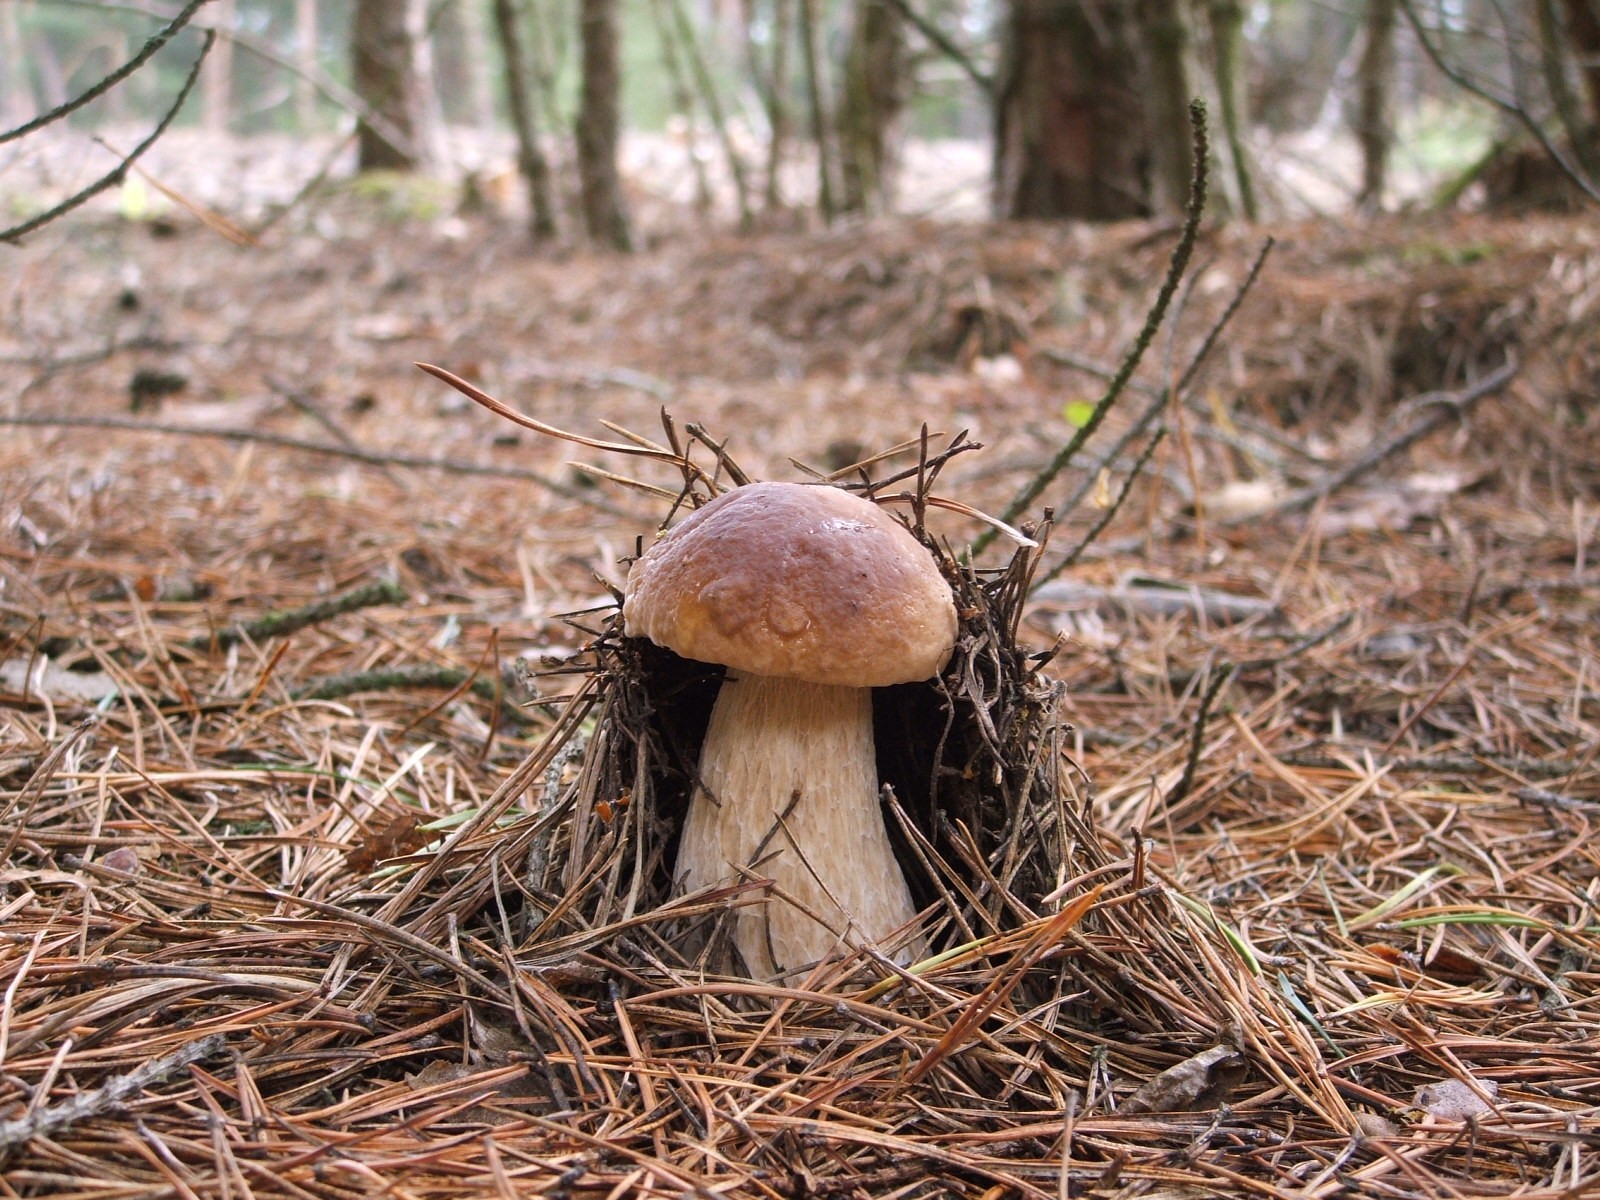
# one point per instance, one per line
(810, 596)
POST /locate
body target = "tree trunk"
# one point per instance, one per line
(474, 34)
(1070, 133)
(305, 57)
(1580, 128)
(16, 104)
(599, 126)
(1583, 26)
(216, 82)
(872, 95)
(819, 115)
(388, 77)
(1374, 118)
(1166, 47)
(1227, 42)
(531, 162)
(1583, 29)
(771, 79)
(713, 103)
(683, 103)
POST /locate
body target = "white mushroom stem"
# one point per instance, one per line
(780, 746)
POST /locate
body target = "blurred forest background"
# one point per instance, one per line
(749, 108)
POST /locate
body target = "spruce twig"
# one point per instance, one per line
(278, 624)
(1176, 267)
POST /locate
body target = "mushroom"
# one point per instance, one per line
(811, 597)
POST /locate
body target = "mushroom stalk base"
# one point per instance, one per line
(803, 752)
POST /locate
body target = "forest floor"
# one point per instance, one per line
(237, 961)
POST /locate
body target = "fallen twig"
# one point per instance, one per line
(110, 1095)
(1198, 737)
(370, 457)
(1442, 405)
(277, 624)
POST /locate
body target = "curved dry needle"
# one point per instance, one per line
(479, 396)
(966, 510)
(613, 477)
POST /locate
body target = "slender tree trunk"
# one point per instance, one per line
(549, 49)
(599, 126)
(1070, 131)
(387, 77)
(713, 103)
(872, 95)
(682, 102)
(475, 45)
(777, 100)
(819, 115)
(1166, 47)
(16, 104)
(305, 58)
(1374, 116)
(216, 84)
(531, 162)
(1227, 40)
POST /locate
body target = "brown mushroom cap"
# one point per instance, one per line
(797, 581)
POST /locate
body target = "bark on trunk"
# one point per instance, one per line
(713, 103)
(599, 126)
(819, 115)
(1583, 27)
(1070, 132)
(305, 57)
(1227, 39)
(774, 97)
(872, 95)
(216, 83)
(1166, 47)
(1374, 120)
(16, 105)
(388, 78)
(531, 162)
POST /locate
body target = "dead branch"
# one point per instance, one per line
(1442, 407)
(118, 173)
(112, 1094)
(370, 457)
(280, 624)
(146, 53)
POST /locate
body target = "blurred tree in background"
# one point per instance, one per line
(795, 105)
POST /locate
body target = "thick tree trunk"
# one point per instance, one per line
(388, 77)
(872, 95)
(1070, 131)
(531, 162)
(1166, 48)
(1374, 119)
(599, 126)
(1583, 27)
(1227, 41)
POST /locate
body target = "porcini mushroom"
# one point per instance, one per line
(811, 597)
